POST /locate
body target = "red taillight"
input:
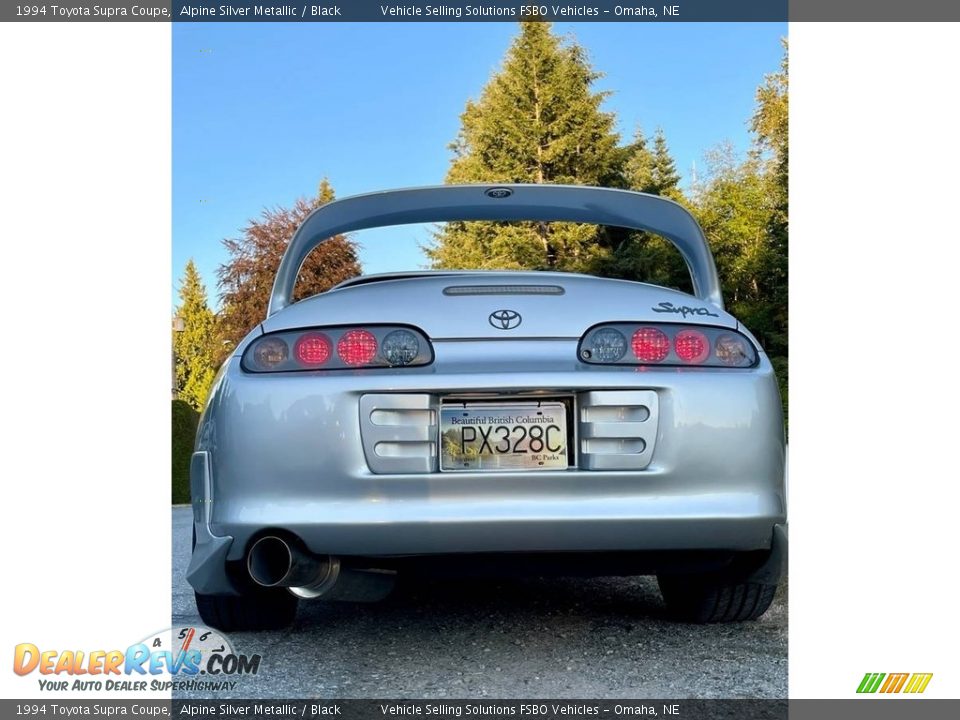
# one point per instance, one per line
(691, 346)
(313, 349)
(357, 347)
(323, 349)
(659, 345)
(650, 344)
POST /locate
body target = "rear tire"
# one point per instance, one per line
(256, 610)
(714, 599)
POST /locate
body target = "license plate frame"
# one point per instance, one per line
(501, 439)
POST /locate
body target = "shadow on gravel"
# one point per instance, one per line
(504, 638)
(522, 600)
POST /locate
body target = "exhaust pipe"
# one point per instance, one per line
(275, 562)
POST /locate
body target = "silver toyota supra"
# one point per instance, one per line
(462, 422)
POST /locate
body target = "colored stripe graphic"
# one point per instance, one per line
(918, 682)
(870, 682)
(894, 682)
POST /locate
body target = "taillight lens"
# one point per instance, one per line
(691, 346)
(667, 344)
(650, 344)
(401, 347)
(733, 350)
(313, 349)
(338, 348)
(271, 352)
(357, 347)
(608, 345)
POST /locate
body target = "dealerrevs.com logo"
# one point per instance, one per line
(179, 658)
(894, 683)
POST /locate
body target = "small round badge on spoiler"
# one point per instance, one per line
(498, 193)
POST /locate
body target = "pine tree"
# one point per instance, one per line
(666, 179)
(246, 280)
(537, 121)
(641, 255)
(194, 347)
(640, 164)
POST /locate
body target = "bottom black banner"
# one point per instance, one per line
(537, 709)
(874, 709)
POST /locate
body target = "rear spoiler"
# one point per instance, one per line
(544, 203)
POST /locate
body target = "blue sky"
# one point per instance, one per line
(261, 112)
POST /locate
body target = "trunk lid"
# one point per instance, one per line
(496, 305)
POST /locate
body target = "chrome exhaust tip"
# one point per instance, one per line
(275, 562)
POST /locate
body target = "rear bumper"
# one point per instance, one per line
(286, 453)
(655, 525)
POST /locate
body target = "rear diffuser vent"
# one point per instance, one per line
(503, 290)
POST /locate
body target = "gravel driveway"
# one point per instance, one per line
(536, 638)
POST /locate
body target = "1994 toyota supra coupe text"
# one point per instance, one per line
(537, 422)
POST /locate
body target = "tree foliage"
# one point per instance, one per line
(639, 169)
(742, 206)
(743, 209)
(195, 346)
(770, 121)
(538, 120)
(770, 124)
(246, 280)
(184, 421)
(665, 178)
(641, 255)
(734, 208)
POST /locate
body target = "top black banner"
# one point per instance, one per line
(480, 11)
(486, 11)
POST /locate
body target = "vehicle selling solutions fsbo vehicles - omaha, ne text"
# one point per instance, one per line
(540, 422)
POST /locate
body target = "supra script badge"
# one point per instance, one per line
(666, 307)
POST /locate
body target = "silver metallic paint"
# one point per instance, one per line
(285, 451)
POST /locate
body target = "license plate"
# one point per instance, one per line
(509, 436)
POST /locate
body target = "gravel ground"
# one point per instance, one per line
(532, 638)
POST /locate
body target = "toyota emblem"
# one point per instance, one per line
(505, 319)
